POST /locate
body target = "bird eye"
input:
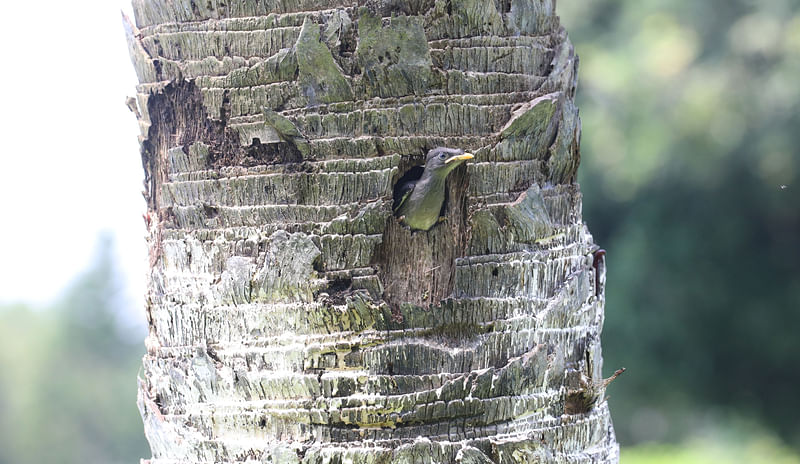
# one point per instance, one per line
(442, 156)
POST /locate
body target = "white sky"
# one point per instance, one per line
(69, 156)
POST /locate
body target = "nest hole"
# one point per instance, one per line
(418, 267)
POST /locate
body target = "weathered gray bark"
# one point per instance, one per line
(292, 319)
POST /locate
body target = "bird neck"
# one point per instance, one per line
(433, 180)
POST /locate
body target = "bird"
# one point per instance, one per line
(417, 203)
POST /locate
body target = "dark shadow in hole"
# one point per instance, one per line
(412, 175)
(336, 286)
(211, 211)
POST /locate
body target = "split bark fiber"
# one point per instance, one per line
(292, 319)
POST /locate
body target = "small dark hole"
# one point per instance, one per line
(262, 423)
(495, 272)
(339, 285)
(211, 211)
(317, 264)
(579, 402)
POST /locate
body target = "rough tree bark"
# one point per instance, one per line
(292, 319)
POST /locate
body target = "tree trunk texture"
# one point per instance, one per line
(292, 318)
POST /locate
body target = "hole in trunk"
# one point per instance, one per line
(418, 267)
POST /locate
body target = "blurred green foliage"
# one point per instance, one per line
(68, 377)
(691, 123)
(753, 450)
(737, 442)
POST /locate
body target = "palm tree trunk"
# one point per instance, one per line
(292, 318)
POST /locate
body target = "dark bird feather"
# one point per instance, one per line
(401, 194)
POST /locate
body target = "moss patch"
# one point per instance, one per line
(321, 80)
(394, 60)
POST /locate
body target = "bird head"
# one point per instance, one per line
(442, 160)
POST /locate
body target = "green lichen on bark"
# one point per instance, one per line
(279, 67)
(320, 78)
(465, 17)
(394, 59)
(287, 131)
(565, 151)
(522, 222)
(533, 17)
(339, 30)
(531, 129)
(531, 118)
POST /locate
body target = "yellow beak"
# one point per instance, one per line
(462, 157)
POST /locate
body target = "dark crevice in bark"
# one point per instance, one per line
(180, 119)
(159, 402)
(211, 211)
(157, 68)
(409, 175)
(195, 10)
(336, 291)
(270, 153)
(598, 264)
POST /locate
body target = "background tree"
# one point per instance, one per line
(292, 318)
(690, 172)
(66, 387)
